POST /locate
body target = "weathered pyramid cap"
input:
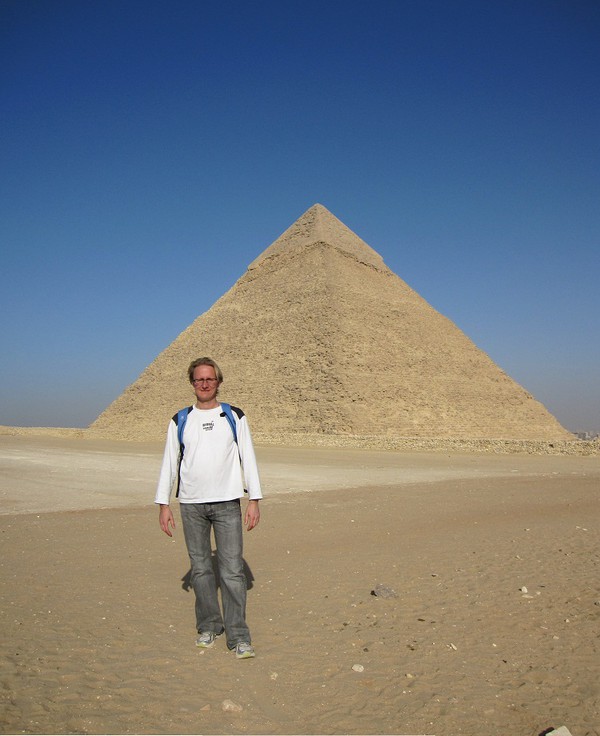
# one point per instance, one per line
(318, 225)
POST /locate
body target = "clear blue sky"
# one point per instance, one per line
(151, 150)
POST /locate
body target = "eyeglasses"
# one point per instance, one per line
(203, 380)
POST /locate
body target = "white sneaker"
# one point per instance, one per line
(243, 650)
(206, 640)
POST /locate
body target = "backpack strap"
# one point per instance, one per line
(180, 419)
(227, 413)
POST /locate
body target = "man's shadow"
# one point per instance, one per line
(186, 580)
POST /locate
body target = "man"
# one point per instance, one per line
(212, 471)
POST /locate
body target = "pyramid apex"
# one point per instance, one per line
(319, 225)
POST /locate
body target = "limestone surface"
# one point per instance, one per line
(320, 338)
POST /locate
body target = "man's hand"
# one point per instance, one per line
(166, 520)
(252, 515)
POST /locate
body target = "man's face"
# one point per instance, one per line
(205, 383)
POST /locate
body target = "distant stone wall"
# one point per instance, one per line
(349, 442)
(44, 432)
(432, 444)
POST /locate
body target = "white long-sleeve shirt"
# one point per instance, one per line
(213, 468)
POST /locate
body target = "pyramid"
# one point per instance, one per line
(320, 337)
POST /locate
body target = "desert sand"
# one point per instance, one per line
(494, 628)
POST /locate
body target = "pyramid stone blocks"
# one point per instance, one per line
(320, 337)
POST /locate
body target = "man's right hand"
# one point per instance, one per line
(166, 520)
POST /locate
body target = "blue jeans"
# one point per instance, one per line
(225, 518)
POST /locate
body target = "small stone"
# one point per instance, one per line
(229, 705)
(358, 668)
(383, 591)
(523, 589)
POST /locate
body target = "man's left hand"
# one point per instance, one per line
(252, 515)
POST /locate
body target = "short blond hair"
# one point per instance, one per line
(204, 361)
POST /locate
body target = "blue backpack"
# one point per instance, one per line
(182, 415)
(181, 418)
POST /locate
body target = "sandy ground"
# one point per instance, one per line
(494, 629)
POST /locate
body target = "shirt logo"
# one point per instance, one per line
(208, 426)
